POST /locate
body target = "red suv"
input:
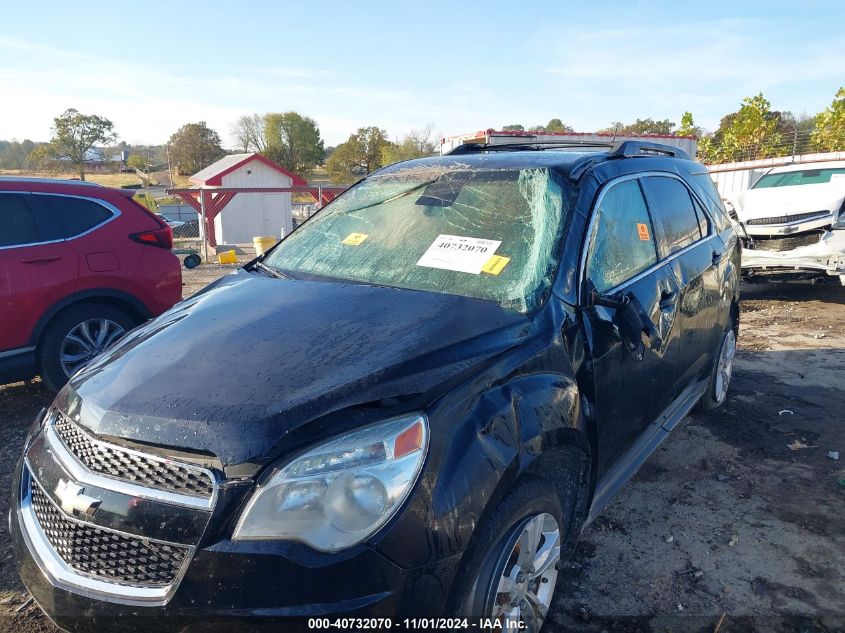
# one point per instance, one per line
(80, 264)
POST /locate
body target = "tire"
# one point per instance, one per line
(720, 376)
(492, 554)
(192, 261)
(55, 340)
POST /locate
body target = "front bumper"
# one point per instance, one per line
(827, 256)
(232, 585)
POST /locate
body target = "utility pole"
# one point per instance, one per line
(203, 226)
(169, 168)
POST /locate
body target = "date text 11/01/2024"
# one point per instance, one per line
(417, 624)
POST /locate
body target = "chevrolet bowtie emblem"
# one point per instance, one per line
(73, 501)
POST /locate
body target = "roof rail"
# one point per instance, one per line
(64, 181)
(630, 149)
(525, 144)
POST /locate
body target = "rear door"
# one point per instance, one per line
(37, 269)
(686, 241)
(81, 221)
(631, 392)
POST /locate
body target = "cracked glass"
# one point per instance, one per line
(378, 231)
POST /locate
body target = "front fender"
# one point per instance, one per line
(531, 424)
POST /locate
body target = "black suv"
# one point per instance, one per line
(411, 406)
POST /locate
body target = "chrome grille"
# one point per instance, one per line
(111, 461)
(788, 219)
(787, 243)
(104, 554)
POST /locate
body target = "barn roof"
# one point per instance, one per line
(213, 174)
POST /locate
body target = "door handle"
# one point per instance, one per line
(41, 260)
(717, 257)
(668, 299)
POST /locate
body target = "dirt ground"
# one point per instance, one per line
(735, 525)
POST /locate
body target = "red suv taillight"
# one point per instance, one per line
(162, 237)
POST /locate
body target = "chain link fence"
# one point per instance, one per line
(779, 143)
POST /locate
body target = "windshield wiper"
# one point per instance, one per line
(392, 198)
(270, 271)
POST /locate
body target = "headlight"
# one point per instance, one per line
(840, 222)
(339, 493)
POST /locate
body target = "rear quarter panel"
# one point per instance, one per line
(109, 258)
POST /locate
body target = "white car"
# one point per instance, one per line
(173, 224)
(794, 221)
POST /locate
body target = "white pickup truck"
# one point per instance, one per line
(794, 221)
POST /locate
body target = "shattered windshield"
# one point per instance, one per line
(489, 234)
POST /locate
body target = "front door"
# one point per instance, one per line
(36, 270)
(632, 387)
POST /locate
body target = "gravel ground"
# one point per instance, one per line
(736, 524)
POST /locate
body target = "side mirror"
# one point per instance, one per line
(631, 319)
(616, 302)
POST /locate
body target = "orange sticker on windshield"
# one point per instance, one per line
(354, 239)
(495, 264)
(642, 231)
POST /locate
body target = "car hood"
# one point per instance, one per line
(779, 201)
(236, 367)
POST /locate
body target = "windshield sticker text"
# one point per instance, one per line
(495, 264)
(354, 239)
(461, 254)
(642, 231)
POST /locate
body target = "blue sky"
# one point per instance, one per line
(152, 66)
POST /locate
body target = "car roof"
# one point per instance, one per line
(60, 186)
(51, 181)
(573, 164)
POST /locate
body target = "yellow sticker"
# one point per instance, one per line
(354, 239)
(642, 231)
(495, 264)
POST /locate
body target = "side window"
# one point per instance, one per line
(17, 224)
(74, 215)
(673, 211)
(713, 201)
(623, 245)
(703, 222)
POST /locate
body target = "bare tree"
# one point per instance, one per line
(248, 131)
(422, 139)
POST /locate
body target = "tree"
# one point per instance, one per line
(249, 132)
(749, 133)
(688, 126)
(13, 154)
(74, 134)
(195, 146)
(136, 161)
(362, 153)
(829, 132)
(43, 158)
(640, 127)
(416, 144)
(554, 126)
(293, 141)
(515, 127)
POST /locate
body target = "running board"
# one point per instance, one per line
(648, 442)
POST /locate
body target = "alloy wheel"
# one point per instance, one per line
(525, 587)
(86, 341)
(725, 366)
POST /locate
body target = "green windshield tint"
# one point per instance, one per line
(802, 177)
(379, 231)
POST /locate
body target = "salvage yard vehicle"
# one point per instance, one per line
(410, 406)
(794, 222)
(80, 265)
